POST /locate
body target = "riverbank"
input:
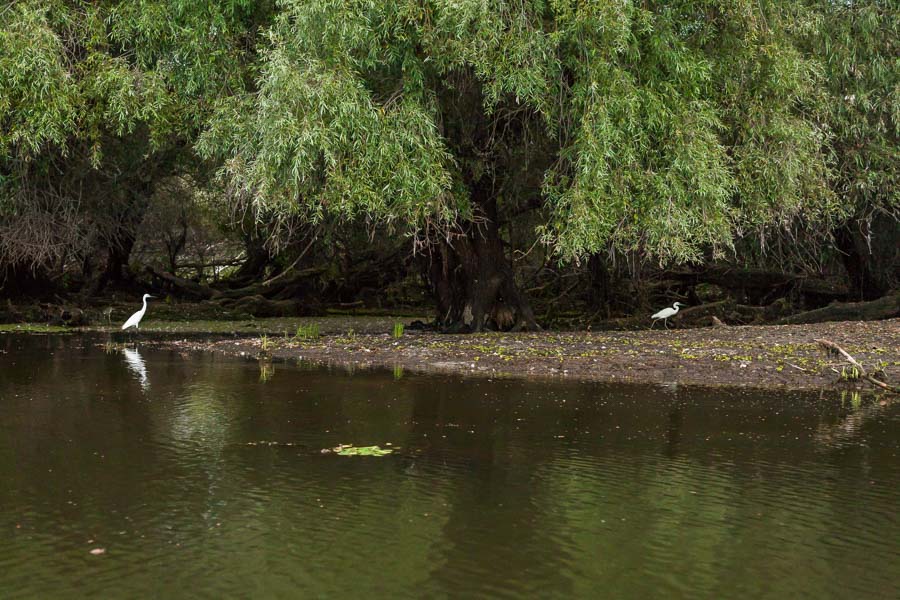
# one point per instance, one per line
(771, 357)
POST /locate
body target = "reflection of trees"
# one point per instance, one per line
(474, 447)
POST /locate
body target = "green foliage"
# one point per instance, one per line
(38, 102)
(856, 43)
(666, 128)
(678, 125)
(398, 330)
(98, 102)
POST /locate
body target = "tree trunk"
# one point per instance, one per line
(473, 282)
(870, 250)
(600, 283)
(253, 268)
(116, 260)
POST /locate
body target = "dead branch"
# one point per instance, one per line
(831, 346)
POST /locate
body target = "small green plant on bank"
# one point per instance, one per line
(264, 343)
(398, 330)
(308, 332)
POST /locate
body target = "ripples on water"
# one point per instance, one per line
(500, 488)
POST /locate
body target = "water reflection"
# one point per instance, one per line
(137, 366)
(497, 488)
(849, 429)
(266, 370)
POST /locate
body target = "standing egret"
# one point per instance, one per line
(665, 313)
(135, 319)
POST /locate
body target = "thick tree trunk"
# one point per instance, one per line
(114, 271)
(118, 257)
(254, 267)
(473, 281)
(600, 283)
(870, 250)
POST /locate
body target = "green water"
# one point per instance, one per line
(496, 488)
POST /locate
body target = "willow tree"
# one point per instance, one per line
(667, 128)
(99, 101)
(857, 44)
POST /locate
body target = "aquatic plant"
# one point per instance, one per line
(351, 450)
(309, 331)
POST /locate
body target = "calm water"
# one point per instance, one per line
(500, 488)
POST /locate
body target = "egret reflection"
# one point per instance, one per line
(137, 366)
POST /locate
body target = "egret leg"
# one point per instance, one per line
(666, 323)
(653, 323)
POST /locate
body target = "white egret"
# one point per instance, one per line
(665, 313)
(135, 319)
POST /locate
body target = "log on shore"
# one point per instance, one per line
(726, 311)
(759, 284)
(270, 289)
(184, 286)
(258, 306)
(886, 307)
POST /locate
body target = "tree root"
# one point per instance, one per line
(834, 348)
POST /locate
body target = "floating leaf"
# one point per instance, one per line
(350, 450)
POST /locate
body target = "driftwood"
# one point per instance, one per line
(758, 283)
(832, 347)
(270, 288)
(884, 308)
(184, 286)
(259, 306)
(724, 311)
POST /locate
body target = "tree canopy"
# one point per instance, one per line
(670, 129)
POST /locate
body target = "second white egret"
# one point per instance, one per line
(665, 313)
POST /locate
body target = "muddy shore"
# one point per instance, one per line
(772, 357)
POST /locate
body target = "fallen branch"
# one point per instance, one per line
(886, 307)
(293, 264)
(831, 346)
(185, 286)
